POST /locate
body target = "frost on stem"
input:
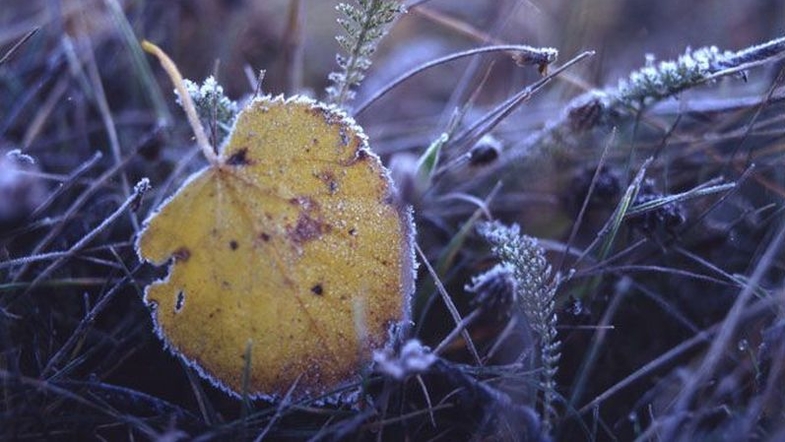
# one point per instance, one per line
(212, 105)
(646, 86)
(654, 82)
(535, 290)
(365, 25)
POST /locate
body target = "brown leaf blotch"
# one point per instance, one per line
(307, 229)
(329, 180)
(182, 254)
(239, 158)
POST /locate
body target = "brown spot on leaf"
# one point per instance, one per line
(233, 245)
(306, 203)
(345, 139)
(307, 229)
(329, 180)
(317, 290)
(179, 301)
(359, 155)
(264, 237)
(239, 158)
(182, 254)
(316, 111)
(330, 118)
(310, 224)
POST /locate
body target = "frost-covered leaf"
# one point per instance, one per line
(291, 243)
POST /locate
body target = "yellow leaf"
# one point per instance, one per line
(292, 244)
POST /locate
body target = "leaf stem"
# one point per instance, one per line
(188, 104)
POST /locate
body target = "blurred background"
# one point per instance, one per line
(80, 41)
(233, 34)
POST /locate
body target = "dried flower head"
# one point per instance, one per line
(414, 358)
(656, 81)
(494, 291)
(536, 290)
(666, 217)
(365, 25)
(212, 105)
